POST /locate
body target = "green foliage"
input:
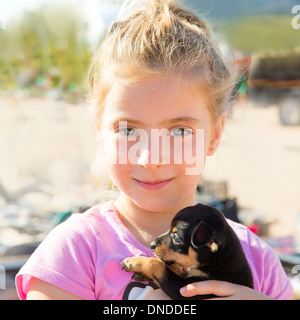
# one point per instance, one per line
(260, 33)
(46, 48)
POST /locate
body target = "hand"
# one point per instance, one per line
(224, 291)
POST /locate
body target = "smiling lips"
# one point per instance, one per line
(153, 185)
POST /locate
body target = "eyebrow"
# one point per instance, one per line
(117, 120)
(184, 119)
(169, 121)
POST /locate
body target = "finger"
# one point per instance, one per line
(218, 288)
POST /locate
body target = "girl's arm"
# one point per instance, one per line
(41, 290)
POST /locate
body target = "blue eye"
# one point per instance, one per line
(128, 132)
(180, 132)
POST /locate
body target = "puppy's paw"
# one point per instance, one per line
(125, 266)
(141, 277)
(136, 265)
(144, 268)
(133, 264)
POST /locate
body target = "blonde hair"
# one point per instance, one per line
(161, 38)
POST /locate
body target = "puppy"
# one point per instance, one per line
(200, 245)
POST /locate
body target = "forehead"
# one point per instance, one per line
(154, 101)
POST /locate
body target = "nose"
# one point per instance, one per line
(151, 157)
(146, 160)
(145, 157)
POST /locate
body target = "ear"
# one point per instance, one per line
(217, 133)
(203, 235)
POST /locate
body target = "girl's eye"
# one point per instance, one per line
(128, 131)
(180, 132)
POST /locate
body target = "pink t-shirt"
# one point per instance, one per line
(83, 254)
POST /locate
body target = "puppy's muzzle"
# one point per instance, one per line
(157, 242)
(158, 246)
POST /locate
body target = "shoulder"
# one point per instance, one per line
(87, 224)
(82, 232)
(250, 242)
(66, 257)
(268, 274)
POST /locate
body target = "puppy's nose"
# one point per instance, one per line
(153, 245)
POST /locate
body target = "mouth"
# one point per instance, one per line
(153, 185)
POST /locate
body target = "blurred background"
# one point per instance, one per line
(48, 161)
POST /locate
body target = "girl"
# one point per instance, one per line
(158, 70)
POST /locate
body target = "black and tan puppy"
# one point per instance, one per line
(200, 245)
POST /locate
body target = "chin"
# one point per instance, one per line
(157, 204)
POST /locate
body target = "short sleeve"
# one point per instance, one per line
(268, 274)
(64, 259)
(276, 284)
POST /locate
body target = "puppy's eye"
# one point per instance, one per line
(176, 238)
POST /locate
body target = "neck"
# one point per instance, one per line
(146, 225)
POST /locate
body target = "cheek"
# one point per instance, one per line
(115, 151)
(191, 151)
(108, 146)
(188, 182)
(119, 175)
(122, 150)
(115, 154)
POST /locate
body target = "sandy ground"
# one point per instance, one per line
(43, 144)
(258, 157)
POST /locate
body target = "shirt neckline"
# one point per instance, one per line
(119, 225)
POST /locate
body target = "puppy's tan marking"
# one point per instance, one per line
(213, 247)
(161, 251)
(184, 265)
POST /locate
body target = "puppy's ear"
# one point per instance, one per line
(204, 235)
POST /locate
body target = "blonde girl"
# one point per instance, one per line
(157, 69)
